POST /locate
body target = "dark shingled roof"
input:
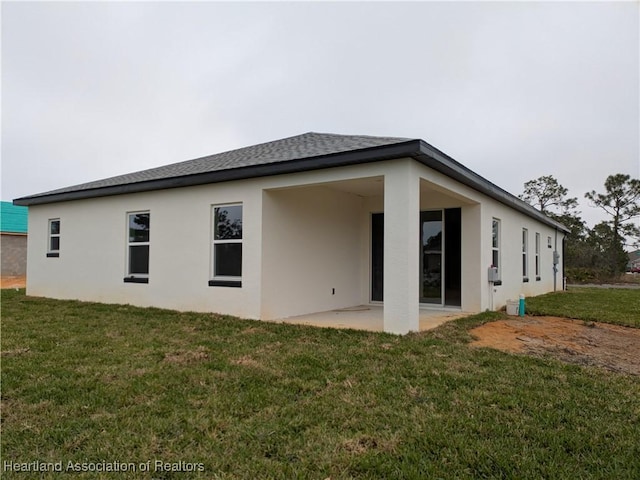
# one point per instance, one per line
(309, 151)
(307, 145)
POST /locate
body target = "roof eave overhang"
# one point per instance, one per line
(441, 162)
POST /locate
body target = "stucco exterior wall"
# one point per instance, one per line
(305, 236)
(14, 254)
(311, 251)
(473, 276)
(92, 261)
(511, 224)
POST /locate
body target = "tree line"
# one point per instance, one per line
(596, 253)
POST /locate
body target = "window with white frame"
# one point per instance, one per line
(53, 242)
(537, 256)
(495, 246)
(227, 246)
(525, 253)
(138, 238)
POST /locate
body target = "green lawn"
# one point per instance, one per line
(85, 382)
(612, 305)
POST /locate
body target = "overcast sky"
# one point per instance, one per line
(512, 90)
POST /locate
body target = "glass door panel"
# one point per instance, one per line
(431, 257)
(377, 257)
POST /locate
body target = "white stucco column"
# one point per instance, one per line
(474, 271)
(401, 248)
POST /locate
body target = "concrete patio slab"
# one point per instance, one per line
(370, 317)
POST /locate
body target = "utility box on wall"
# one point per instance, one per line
(494, 274)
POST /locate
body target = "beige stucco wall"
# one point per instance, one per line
(305, 234)
(92, 261)
(512, 286)
(311, 251)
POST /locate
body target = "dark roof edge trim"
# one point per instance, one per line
(441, 162)
(340, 159)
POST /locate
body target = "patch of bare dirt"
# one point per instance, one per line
(367, 443)
(14, 352)
(586, 343)
(13, 282)
(247, 361)
(187, 357)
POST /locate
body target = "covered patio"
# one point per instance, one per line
(370, 318)
(390, 243)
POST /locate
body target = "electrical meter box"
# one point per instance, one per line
(494, 274)
(556, 258)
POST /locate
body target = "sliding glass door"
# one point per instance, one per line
(377, 256)
(431, 258)
(440, 257)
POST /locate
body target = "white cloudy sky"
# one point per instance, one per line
(512, 90)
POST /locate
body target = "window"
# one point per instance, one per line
(53, 247)
(549, 242)
(537, 256)
(227, 246)
(495, 247)
(525, 248)
(138, 247)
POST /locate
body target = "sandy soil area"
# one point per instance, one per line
(13, 282)
(612, 347)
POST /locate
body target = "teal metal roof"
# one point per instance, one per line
(13, 218)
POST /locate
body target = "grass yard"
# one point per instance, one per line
(620, 306)
(84, 382)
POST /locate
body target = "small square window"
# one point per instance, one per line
(228, 222)
(139, 230)
(139, 259)
(228, 260)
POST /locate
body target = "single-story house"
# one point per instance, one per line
(13, 239)
(304, 224)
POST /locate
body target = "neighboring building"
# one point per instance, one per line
(633, 265)
(13, 239)
(300, 225)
